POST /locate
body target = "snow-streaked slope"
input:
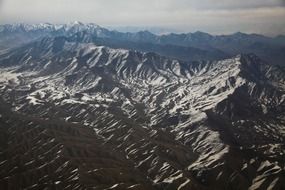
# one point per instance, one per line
(200, 125)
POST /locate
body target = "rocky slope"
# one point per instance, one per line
(158, 123)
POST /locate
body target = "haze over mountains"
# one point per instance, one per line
(187, 47)
(83, 107)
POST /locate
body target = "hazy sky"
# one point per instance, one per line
(214, 16)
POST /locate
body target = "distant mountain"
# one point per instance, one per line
(13, 35)
(134, 29)
(171, 51)
(77, 115)
(187, 47)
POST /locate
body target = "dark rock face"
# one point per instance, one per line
(39, 154)
(80, 116)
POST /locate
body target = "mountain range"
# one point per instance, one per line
(83, 107)
(187, 47)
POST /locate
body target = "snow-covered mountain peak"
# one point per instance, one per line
(73, 27)
(75, 23)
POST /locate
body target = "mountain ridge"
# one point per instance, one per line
(215, 47)
(160, 123)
